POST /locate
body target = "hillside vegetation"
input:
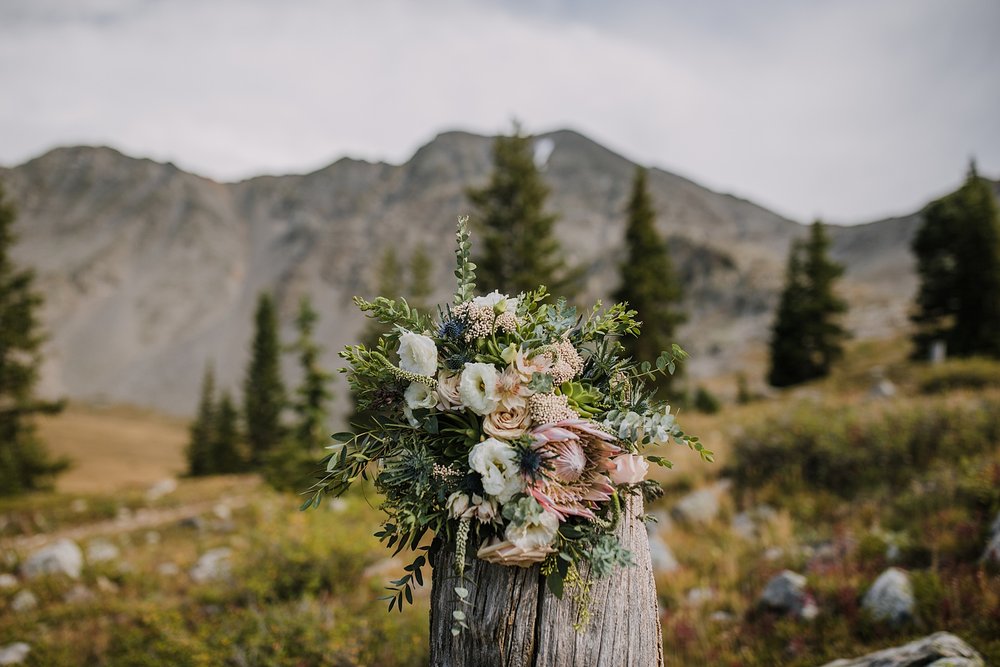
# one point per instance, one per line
(829, 481)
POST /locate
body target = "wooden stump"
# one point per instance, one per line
(514, 621)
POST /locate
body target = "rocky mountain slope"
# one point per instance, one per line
(151, 272)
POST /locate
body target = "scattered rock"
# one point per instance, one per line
(123, 515)
(60, 557)
(168, 569)
(699, 596)
(7, 581)
(744, 526)
(786, 593)
(992, 552)
(722, 617)
(223, 512)
(890, 598)
(938, 650)
(660, 553)
(152, 537)
(883, 388)
(337, 505)
(774, 553)
(79, 593)
(79, 506)
(162, 488)
(212, 566)
(101, 551)
(106, 586)
(195, 522)
(14, 654)
(700, 506)
(24, 601)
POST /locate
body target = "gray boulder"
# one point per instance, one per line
(212, 566)
(102, 551)
(942, 649)
(7, 581)
(60, 557)
(699, 506)
(992, 553)
(24, 601)
(14, 654)
(890, 598)
(786, 593)
(660, 553)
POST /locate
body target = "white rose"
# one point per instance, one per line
(629, 469)
(501, 303)
(496, 463)
(507, 424)
(478, 388)
(417, 354)
(419, 395)
(540, 532)
(447, 390)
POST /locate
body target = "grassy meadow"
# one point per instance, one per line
(841, 485)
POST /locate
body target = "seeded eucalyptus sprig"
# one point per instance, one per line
(465, 270)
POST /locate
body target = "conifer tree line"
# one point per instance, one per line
(25, 464)
(282, 449)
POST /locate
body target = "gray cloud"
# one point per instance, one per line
(850, 109)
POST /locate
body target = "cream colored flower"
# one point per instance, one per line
(417, 354)
(447, 390)
(461, 506)
(507, 424)
(478, 388)
(496, 463)
(511, 391)
(538, 532)
(629, 469)
(500, 303)
(505, 552)
(540, 363)
(419, 395)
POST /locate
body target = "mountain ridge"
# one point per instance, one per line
(151, 271)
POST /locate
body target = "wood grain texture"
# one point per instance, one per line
(514, 621)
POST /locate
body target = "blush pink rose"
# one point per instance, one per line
(629, 469)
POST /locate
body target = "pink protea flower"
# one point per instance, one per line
(576, 461)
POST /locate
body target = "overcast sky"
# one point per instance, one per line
(848, 109)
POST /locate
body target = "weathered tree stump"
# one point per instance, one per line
(515, 621)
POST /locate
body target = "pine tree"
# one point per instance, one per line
(263, 390)
(421, 281)
(519, 247)
(25, 464)
(201, 444)
(289, 466)
(225, 437)
(958, 262)
(649, 283)
(807, 338)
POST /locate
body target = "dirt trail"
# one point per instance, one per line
(139, 519)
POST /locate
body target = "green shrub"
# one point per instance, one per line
(707, 402)
(846, 450)
(974, 373)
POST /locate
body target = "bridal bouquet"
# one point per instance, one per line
(506, 425)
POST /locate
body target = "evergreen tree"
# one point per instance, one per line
(958, 262)
(290, 465)
(263, 390)
(226, 437)
(649, 283)
(519, 247)
(200, 447)
(421, 281)
(807, 337)
(25, 464)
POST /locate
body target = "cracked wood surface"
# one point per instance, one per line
(514, 621)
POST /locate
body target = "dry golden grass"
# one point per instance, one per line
(114, 448)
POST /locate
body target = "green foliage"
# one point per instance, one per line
(649, 284)
(520, 249)
(227, 456)
(465, 269)
(263, 389)
(293, 462)
(847, 450)
(25, 465)
(973, 374)
(806, 337)
(958, 262)
(200, 459)
(705, 401)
